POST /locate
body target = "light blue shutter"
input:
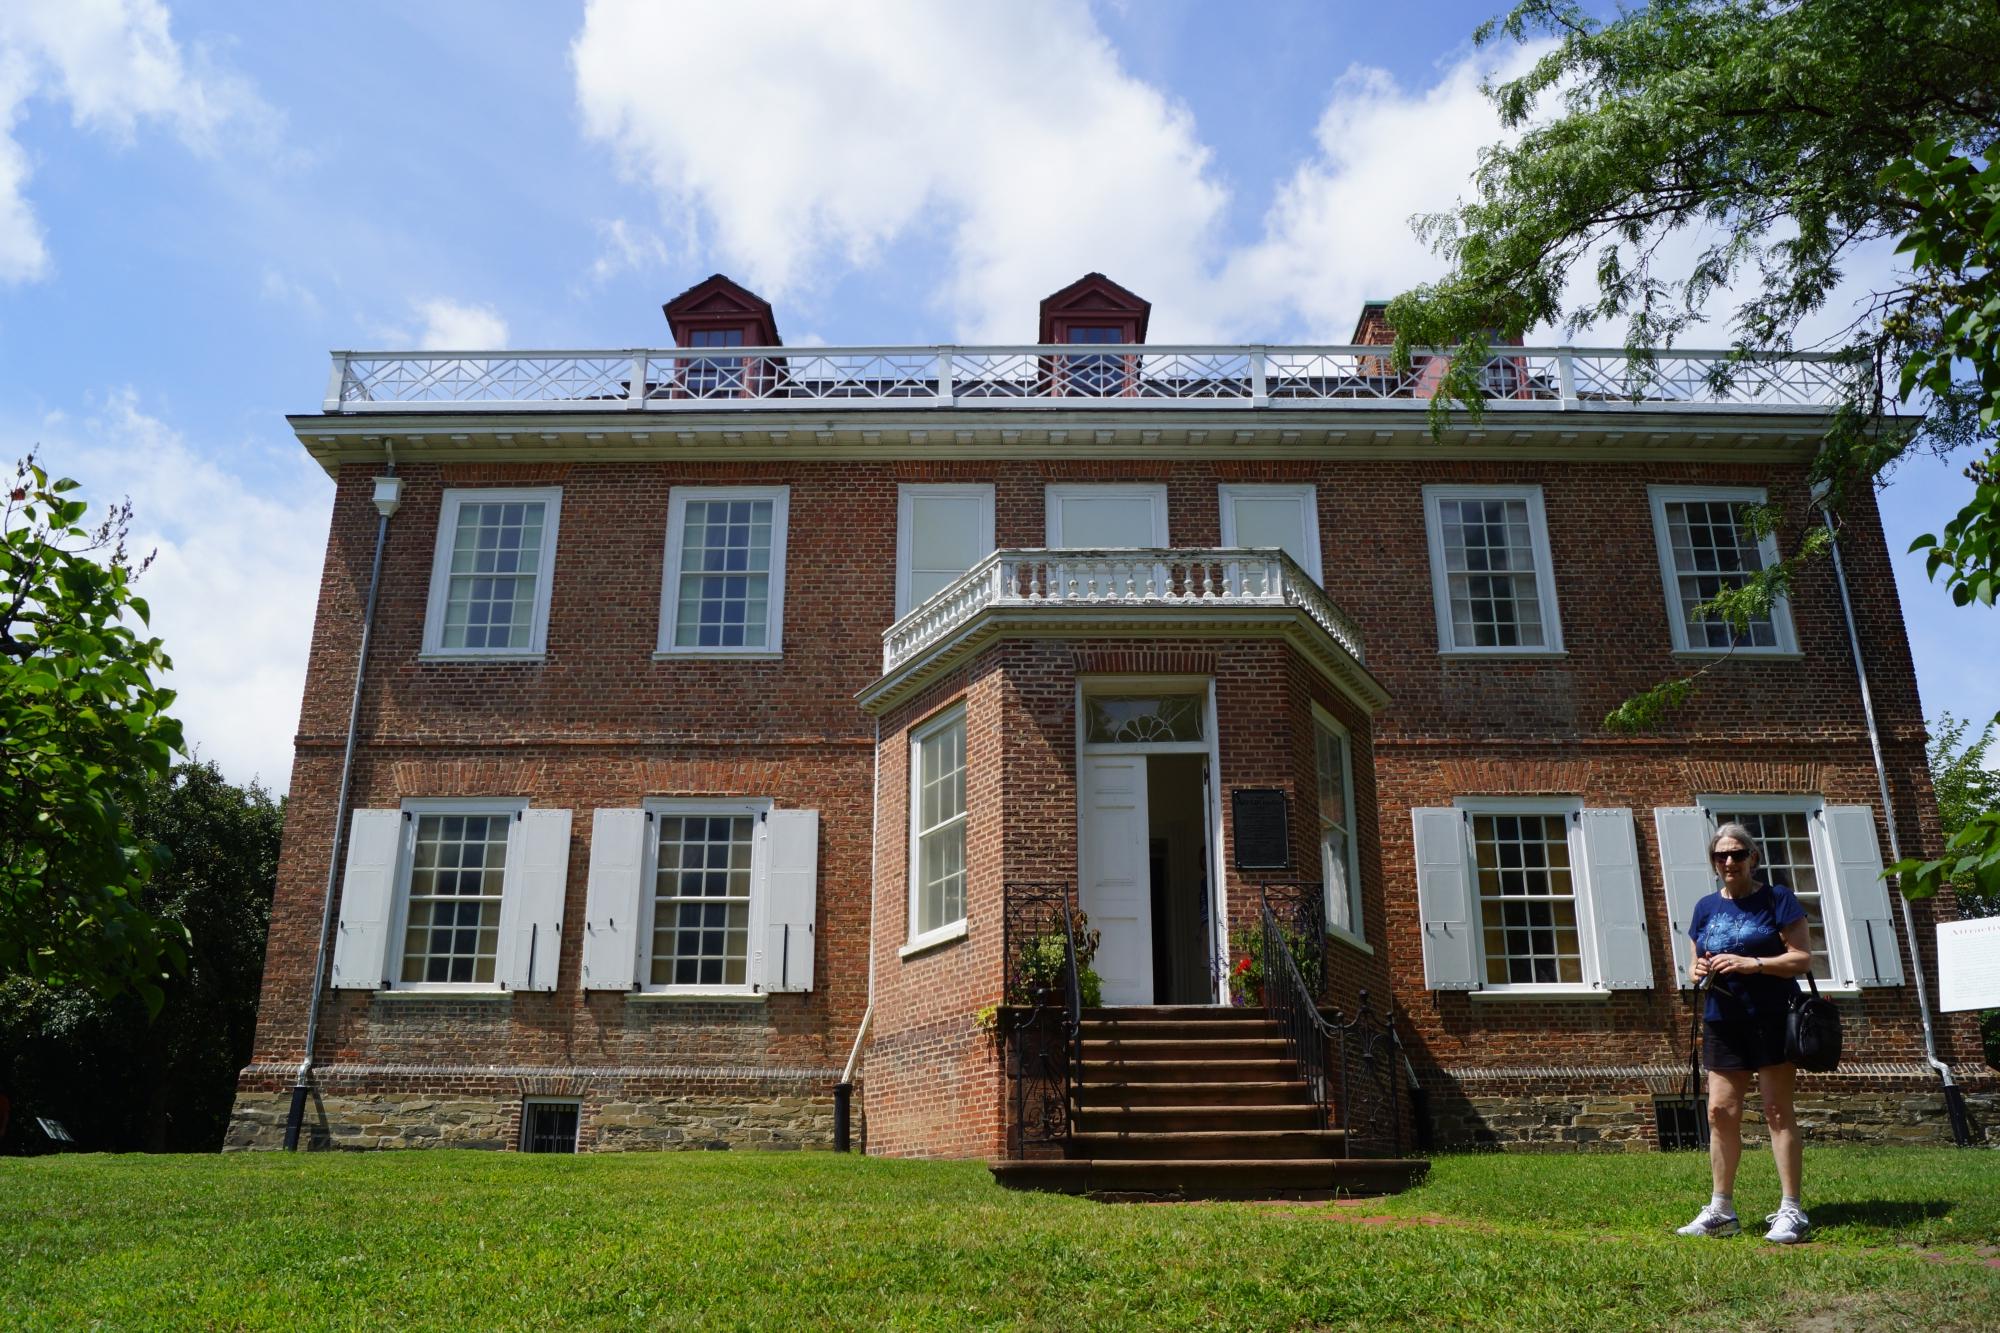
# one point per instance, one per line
(537, 879)
(1682, 832)
(1617, 908)
(1444, 899)
(791, 897)
(1872, 954)
(367, 896)
(611, 900)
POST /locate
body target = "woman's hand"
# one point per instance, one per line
(1701, 965)
(1726, 963)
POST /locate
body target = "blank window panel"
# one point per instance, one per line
(947, 537)
(456, 874)
(941, 828)
(496, 555)
(1786, 838)
(1093, 522)
(1489, 555)
(1273, 522)
(725, 575)
(701, 900)
(1714, 551)
(1527, 900)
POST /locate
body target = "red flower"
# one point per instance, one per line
(1243, 965)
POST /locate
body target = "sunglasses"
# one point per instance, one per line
(1732, 856)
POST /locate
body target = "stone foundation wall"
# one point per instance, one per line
(1517, 1111)
(621, 1110)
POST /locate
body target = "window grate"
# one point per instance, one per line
(550, 1126)
(1679, 1120)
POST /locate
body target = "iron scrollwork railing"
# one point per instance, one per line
(1300, 906)
(1043, 1009)
(1353, 1065)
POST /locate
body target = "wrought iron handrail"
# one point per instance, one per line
(1142, 376)
(1045, 1031)
(1367, 1053)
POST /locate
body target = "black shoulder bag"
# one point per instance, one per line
(1812, 1031)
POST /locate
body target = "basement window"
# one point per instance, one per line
(550, 1124)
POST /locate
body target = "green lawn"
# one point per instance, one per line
(458, 1240)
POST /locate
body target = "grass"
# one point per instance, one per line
(729, 1240)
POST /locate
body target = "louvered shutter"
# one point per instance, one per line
(611, 906)
(1872, 953)
(1683, 838)
(791, 896)
(367, 895)
(537, 878)
(1444, 900)
(1617, 908)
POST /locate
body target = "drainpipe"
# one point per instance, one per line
(843, 1091)
(1954, 1096)
(388, 495)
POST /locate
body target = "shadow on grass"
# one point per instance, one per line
(1878, 1213)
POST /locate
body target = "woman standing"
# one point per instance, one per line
(1750, 945)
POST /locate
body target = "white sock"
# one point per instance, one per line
(1725, 1202)
(1791, 1201)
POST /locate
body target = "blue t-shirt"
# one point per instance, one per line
(1751, 927)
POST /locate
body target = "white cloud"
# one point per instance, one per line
(115, 65)
(235, 581)
(627, 248)
(445, 325)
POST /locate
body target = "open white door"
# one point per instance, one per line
(1116, 891)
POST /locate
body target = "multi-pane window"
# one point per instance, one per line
(1096, 376)
(701, 899)
(714, 376)
(489, 586)
(1708, 547)
(1490, 569)
(1336, 829)
(941, 532)
(937, 790)
(725, 570)
(458, 866)
(1786, 839)
(1527, 899)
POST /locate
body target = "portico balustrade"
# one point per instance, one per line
(1140, 580)
(1117, 377)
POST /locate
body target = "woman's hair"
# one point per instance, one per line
(1742, 835)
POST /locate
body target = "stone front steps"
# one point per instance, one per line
(1198, 1102)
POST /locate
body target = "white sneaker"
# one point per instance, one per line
(1789, 1225)
(1711, 1221)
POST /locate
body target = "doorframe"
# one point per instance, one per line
(1209, 748)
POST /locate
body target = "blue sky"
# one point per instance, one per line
(198, 200)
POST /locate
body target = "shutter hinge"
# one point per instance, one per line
(406, 816)
(649, 816)
(763, 815)
(518, 814)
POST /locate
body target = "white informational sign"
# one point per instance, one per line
(1969, 964)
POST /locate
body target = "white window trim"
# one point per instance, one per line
(657, 807)
(1571, 809)
(1833, 922)
(1359, 934)
(1545, 577)
(677, 502)
(916, 942)
(1307, 495)
(1767, 549)
(413, 807)
(906, 496)
(433, 646)
(1056, 493)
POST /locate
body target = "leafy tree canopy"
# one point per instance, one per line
(83, 729)
(1768, 140)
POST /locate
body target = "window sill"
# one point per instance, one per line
(937, 938)
(1754, 654)
(712, 655)
(444, 993)
(694, 995)
(1350, 939)
(505, 659)
(1502, 654)
(1541, 993)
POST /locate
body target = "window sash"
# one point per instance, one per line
(491, 571)
(1525, 886)
(937, 820)
(725, 574)
(701, 921)
(450, 908)
(1492, 575)
(1336, 825)
(1706, 547)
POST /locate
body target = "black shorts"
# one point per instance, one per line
(1744, 1043)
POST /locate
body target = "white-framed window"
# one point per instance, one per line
(490, 577)
(937, 827)
(725, 571)
(1707, 546)
(452, 892)
(941, 531)
(1530, 896)
(1283, 516)
(705, 876)
(1492, 580)
(1334, 763)
(1107, 516)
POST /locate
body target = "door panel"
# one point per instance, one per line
(1115, 889)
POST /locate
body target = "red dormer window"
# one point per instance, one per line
(716, 313)
(1094, 309)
